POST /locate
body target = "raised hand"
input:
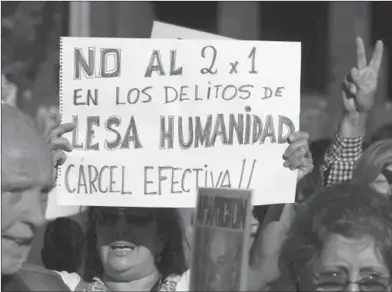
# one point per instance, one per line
(360, 84)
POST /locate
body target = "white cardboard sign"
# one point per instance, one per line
(158, 118)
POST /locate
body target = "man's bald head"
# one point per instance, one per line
(27, 177)
(17, 127)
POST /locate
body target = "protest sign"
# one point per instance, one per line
(221, 240)
(158, 118)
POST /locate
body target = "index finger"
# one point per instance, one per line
(299, 135)
(375, 62)
(62, 129)
(361, 54)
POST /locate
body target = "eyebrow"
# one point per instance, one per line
(377, 270)
(16, 184)
(332, 269)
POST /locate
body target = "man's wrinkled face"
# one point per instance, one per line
(27, 177)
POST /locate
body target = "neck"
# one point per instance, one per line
(143, 284)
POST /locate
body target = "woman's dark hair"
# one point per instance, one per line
(172, 258)
(309, 184)
(314, 180)
(63, 245)
(349, 210)
(318, 149)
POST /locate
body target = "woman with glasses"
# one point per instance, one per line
(375, 167)
(340, 240)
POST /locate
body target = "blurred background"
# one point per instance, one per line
(30, 45)
(327, 31)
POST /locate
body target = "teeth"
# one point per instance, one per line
(122, 247)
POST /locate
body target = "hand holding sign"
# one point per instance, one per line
(58, 143)
(360, 85)
(297, 154)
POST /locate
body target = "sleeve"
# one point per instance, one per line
(72, 280)
(340, 159)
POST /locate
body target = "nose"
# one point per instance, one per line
(353, 287)
(35, 206)
(121, 226)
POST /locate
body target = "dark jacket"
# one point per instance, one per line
(34, 278)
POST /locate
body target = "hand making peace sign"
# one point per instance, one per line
(360, 84)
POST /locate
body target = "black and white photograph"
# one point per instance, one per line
(196, 146)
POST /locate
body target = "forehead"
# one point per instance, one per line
(128, 211)
(26, 166)
(357, 253)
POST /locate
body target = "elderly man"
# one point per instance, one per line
(27, 177)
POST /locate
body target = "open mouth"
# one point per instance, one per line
(122, 245)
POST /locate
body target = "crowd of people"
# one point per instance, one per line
(336, 237)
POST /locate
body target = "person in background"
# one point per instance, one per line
(340, 157)
(28, 169)
(358, 95)
(313, 180)
(340, 240)
(374, 168)
(63, 245)
(131, 249)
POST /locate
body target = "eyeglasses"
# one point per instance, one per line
(112, 216)
(334, 281)
(388, 175)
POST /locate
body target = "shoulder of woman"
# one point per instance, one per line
(183, 282)
(170, 283)
(72, 280)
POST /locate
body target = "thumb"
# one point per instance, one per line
(355, 76)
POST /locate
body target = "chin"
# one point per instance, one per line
(122, 271)
(124, 275)
(10, 266)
